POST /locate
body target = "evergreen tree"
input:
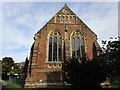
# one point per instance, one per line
(83, 73)
(9, 68)
(111, 61)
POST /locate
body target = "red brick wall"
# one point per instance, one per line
(38, 59)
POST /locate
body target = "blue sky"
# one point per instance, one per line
(21, 20)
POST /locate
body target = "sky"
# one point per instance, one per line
(21, 20)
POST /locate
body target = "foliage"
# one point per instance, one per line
(114, 86)
(83, 74)
(11, 85)
(111, 61)
(7, 64)
(9, 68)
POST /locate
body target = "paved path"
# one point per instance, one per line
(1, 84)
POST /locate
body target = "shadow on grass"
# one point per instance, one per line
(11, 85)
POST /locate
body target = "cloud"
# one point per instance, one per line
(15, 43)
(21, 20)
(101, 17)
(1, 29)
(25, 20)
(60, 0)
(107, 21)
(17, 36)
(19, 26)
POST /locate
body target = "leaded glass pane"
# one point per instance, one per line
(73, 47)
(55, 33)
(82, 47)
(55, 49)
(77, 34)
(78, 51)
(50, 49)
(78, 47)
(59, 49)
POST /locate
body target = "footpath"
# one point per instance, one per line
(2, 83)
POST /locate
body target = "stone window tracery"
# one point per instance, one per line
(55, 47)
(78, 46)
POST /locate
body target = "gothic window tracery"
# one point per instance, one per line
(78, 46)
(55, 47)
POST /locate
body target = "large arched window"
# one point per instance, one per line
(55, 47)
(78, 46)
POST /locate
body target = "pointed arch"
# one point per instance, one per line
(54, 46)
(77, 45)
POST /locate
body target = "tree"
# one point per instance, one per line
(111, 57)
(83, 74)
(7, 64)
(9, 68)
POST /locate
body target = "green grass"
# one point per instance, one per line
(114, 86)
(12, 85)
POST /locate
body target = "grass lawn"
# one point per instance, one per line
(114, 86)
(12, 85)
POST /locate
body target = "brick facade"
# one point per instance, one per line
(42, 73)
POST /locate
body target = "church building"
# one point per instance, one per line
(64, 36)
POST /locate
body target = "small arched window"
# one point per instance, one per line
(78, 46)
(58, 19)
(66, 19)
(74, 19)
(70, 19)
(55, 47)
(62, 19)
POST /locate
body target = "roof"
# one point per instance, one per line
(63, 12)
(66, 11)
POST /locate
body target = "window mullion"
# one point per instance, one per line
(83, 47)
(80, 49)
(75, 48)
(57, 48)
(52, 47)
